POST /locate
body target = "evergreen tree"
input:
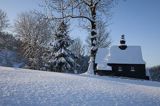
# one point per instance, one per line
(62, 59)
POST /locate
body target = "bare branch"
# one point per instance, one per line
(69, 16)
(3, 20)
(97, 2)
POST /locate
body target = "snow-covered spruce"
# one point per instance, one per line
(61, 59)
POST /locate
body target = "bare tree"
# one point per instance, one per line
(77, 47)
(34, 32)
(89, 10)
(3, 20)
(155, 73)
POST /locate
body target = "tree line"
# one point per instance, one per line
(155, 73)
(43, 44)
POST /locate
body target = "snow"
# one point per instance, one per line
(21, 87)
(90, 70)
(148, 73)
(131, 55)
(104, 66)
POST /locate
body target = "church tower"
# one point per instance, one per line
(122, 45)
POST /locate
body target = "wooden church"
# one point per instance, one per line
(121, 60)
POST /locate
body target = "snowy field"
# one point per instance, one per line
(20, 87)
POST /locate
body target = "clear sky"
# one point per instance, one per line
(139, 20)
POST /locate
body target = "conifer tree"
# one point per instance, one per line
(62, 59)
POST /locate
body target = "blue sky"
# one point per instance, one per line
(139, 20)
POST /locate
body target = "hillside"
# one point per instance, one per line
(21, 87)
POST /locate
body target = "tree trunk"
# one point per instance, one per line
(92, 68)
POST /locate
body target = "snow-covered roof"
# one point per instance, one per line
(100, 59)
(131, 55)
(114, 55)
(101, 54)
(104, 66)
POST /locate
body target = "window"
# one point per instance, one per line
(132, 69)
(120, 69)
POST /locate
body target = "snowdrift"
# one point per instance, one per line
(21, 87)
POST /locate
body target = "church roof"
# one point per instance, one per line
(115, 55)
(120, 54)
(131, 55)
